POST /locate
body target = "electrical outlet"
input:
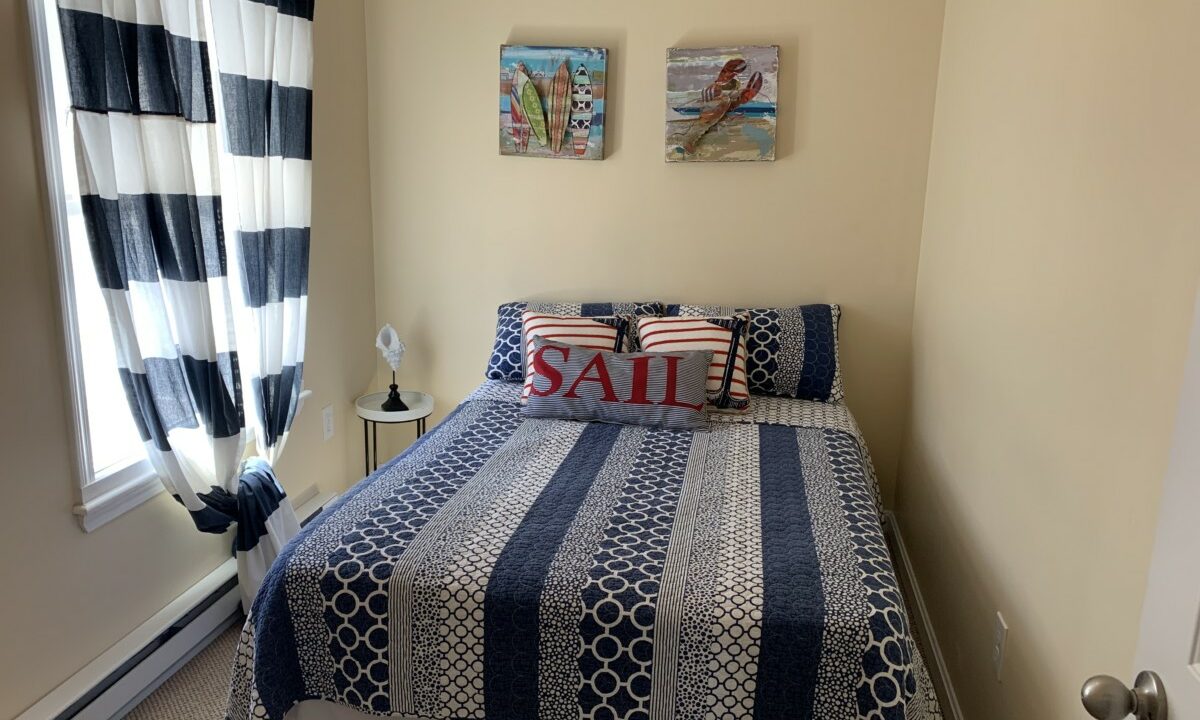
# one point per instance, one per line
(327, 421)
(999, 642)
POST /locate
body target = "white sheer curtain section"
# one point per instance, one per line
(264, 61)
(264, 66)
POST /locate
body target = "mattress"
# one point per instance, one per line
(506, 567)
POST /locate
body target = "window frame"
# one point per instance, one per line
(102, 496)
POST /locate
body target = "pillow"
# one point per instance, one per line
(507, 357)
(610, 334)
(724, 337)
(793, 351)
(667, 390)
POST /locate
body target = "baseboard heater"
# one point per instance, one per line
(114, 683)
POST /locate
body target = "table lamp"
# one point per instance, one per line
(392, 349)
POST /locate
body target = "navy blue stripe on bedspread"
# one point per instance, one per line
(511, 604)
(277, 656)
(623, 583)
(793, 602)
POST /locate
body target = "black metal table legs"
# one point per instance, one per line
(371, 442)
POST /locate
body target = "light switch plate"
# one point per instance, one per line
(327, 421)
(999, 643)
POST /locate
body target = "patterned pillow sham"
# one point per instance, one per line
(506, 360)
(667, 390)
(724, 337)
(793, 351)
(610, 334)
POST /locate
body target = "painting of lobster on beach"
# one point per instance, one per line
(552, 101)
(721, 103)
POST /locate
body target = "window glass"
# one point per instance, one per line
(113, 436)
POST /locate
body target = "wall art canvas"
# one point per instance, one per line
(552, 101)
(721, 103)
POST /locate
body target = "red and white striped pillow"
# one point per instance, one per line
(724, 336)
(610, 333)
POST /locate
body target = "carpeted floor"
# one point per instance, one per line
(922, 641)
(199, 689)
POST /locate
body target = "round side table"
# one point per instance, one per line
(420, 406)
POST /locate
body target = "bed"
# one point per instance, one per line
(506, 567)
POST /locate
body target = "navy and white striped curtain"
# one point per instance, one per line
(264, 59)
(146, 136)
(149, 179)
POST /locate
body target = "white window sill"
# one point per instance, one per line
(137, 484)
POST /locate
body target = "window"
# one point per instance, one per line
(114, 474)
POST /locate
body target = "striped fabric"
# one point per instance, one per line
(505, 568)
(146, 142)
(724, 337)
(593, 333)
(507, 361)
(667, 390)
(146, 121)
(793, 350)
(264, 60)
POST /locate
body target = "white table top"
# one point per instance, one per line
(419, 405)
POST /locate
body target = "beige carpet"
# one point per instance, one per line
(922, 641)
(198, 690)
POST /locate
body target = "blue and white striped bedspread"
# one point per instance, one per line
(544, 569)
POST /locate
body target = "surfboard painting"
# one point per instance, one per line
(531, 103)
(560, 106)
(556, 96)
(581, 109)
(518, 126)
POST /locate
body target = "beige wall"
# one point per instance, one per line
(1058, 267)
(459, 229)
(67, 596)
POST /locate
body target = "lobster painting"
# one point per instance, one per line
(698, 111)
(719, 98)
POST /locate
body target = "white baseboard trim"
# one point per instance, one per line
(114, 683)
(938, 666)
(148, 675)
(111, 682)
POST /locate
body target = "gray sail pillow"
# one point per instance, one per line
(667, 390)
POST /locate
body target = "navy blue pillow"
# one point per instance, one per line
(793, 351)
(505, 363)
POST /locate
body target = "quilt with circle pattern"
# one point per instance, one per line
(509, 568)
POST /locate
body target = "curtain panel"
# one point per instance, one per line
(149, 178)
(145, 123)
(264, 61)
